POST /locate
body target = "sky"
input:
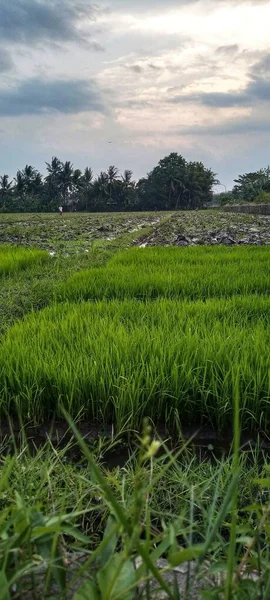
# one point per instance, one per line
(149, 76)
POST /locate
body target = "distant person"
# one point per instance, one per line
(60, 210)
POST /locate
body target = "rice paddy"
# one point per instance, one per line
(166, 333)
(193, 273)
(16, 259)
(114, 333)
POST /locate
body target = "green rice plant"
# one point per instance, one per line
(191, 255)
(13, 259)
(194, 273)
(121, 361)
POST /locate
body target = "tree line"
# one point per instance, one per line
(174, 184)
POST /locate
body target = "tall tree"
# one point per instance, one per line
(5, 191)
(66, 181)
(87, 182)
(128, 190)
(112, 179)
(53, 182)
(176, 184)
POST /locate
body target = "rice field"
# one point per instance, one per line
(118, 361)
(163, 332)
(15, 259)
(192, 273)
(177, 334)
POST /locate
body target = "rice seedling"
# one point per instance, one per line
(126, 360)
(194, 273)
(14, 259)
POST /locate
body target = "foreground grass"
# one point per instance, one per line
(53, 515)
(119, 361)
(193, 273)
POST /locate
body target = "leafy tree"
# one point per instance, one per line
(250, 185)
(224, 198)
(176, 184)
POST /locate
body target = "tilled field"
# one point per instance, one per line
(196, 228)
(73, 232)
(76, 232)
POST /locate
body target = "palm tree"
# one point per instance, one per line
(66, 180)
(87, 184)
(127, 178)
(5, 189)
(77, 186)
(128, 187)
(112, 178)
(5, 185)
(102, 184)
(19, 183)
(53, 180)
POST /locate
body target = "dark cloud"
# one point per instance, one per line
(136, 68)
(262, 68)
(228, 50)
(154, 67)
(6, 62)
(37, 96)
(214, 99)
(236, 126)
(27, 21)
(256, 90)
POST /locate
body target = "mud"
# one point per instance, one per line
(209, 228)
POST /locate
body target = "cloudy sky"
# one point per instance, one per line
(150, 76)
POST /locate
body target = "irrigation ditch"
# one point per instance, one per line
(203, 441)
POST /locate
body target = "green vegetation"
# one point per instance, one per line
(121, 360)
(172, 185)
(65, 532)
(75, 242)
(111, 335)
(16, 259)
(250, 186)
(192, 273)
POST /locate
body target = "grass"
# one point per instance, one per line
(53, 516)
(14, 259)
(193, 273)
(122, 360)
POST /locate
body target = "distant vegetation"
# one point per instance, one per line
(250, 187)
(173, 184)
